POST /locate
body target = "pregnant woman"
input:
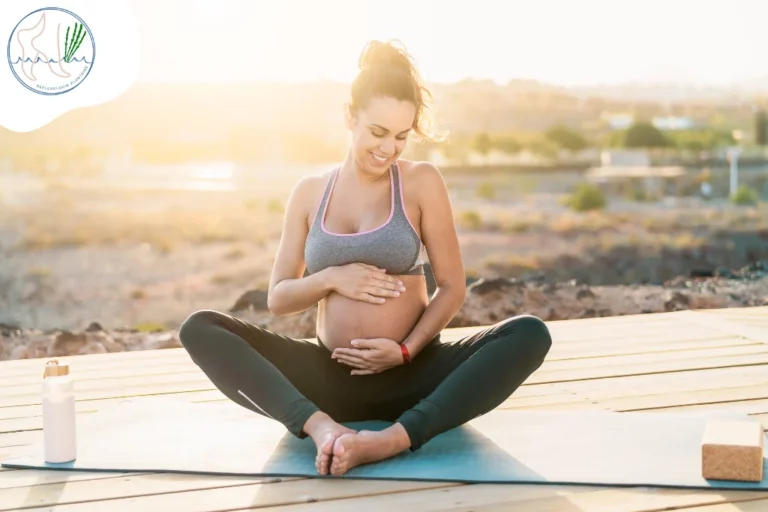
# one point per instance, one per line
(360, 231)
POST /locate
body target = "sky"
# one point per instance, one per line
(563, 42)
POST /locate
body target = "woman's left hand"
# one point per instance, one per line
(371, 355)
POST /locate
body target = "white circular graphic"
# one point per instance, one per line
(51, 51)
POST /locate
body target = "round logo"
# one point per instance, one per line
(51, 51)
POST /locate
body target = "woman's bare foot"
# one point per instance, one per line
(368, 446)
(324, 432)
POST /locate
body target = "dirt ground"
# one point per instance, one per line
(146, 259)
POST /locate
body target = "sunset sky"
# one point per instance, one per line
(567, 42)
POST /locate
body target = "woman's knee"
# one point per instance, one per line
(194, 327)
(533, 332)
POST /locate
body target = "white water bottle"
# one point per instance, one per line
(59, 434)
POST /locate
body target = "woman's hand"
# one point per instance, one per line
(372, 355)
(364, 282)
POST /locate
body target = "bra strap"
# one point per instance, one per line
(324, 200)
(399, 206)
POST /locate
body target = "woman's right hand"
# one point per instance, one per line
(364, 282)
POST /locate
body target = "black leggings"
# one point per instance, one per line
(287, 379)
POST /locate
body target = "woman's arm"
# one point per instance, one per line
(290, 292)
(438, 232)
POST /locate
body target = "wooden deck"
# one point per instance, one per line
(683, 360)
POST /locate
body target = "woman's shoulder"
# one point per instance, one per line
(419, 175)
(311, 184)
(308, 192)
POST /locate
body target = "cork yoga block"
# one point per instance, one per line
(732, 450)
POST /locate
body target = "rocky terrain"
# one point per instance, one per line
(488, 300)
(103, 270)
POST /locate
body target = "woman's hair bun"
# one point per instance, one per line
(386, 70)
(379, 55)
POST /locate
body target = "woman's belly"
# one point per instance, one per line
(341, 319)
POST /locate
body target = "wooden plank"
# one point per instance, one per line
(654, 357)
(689, 398)
(17, 439)
(29, 417)
(654, 329)
(203, 493)
(710, 378)
(763, 418)
(602, 349)
(24, 478)
(645, 402)
(29, 393)
(633, 385)
(650, 325)
(543, 498)
(561, 395)
(135, 356)
(618, 386)
(33, 420)
(650, 333)
(638, 334)
(727, 324)
(135, 390)
(633, 500)
(743, 406)
(30, 411)
(654, 386)
(108, 379)
(181, 363)
(158, 366)
(756, 505)
(545, 376)
(154, 361)
(107, 383)
(582, 357)
(152, 369)
(90, 362)
(39, 495)
(752, 311)
(129, 387)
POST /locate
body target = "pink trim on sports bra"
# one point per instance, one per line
(391, 211)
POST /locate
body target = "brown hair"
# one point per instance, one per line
(386, 69)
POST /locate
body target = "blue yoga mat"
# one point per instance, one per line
(558, 447)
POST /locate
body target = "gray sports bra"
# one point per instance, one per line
(394, 246)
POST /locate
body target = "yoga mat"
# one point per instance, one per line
(558, 447)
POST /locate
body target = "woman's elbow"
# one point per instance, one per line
(456, 289)
(273, 303)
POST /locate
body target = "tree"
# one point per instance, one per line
(761, 127)
(482, 143)
(508, 145)
(644, 135)
(566, 138)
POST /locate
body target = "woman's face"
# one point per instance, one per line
(380, 133)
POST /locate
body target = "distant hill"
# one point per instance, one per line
(738, 93)
(305, 121)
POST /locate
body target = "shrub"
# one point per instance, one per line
(150, 327)
(471, 219)
(745, 195)
(586, 196)
(274, 206)
(486, 190)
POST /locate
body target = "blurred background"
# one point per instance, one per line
(603, 158)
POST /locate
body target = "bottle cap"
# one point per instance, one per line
(54, 369)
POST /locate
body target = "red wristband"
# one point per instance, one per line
(406, 355)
